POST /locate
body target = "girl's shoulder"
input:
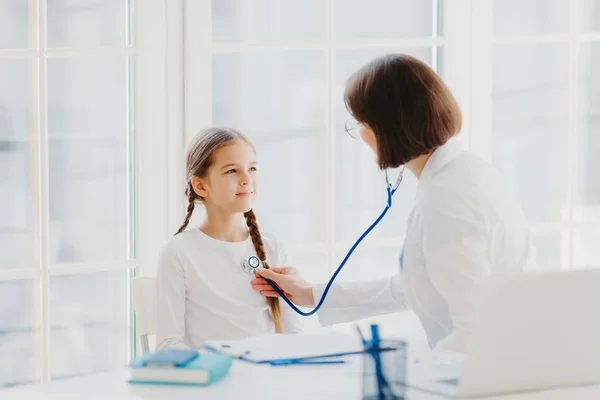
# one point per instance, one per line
(180, 243)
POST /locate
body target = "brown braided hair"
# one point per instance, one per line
(259, 247)
(191, 195)
(198, 160)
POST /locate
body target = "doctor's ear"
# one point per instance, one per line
(199, 186)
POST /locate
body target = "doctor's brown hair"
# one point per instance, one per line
(198, 160)
(406, 104)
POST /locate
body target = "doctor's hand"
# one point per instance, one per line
(289, 280)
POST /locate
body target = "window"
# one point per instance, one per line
(67, 234)
(276, 71)
(544, 106)
(522, 72)
(74, 84)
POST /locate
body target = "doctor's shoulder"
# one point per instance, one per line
(481, 178)
(468, 176)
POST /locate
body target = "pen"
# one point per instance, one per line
(364, 342)
(375, 335)
(381, 383)
(302, 362)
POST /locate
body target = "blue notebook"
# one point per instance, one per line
(204, 369)
(170, 358)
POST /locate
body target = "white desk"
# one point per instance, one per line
(247, 381)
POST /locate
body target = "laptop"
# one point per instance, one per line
(535, 331)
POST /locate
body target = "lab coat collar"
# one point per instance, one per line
(439, 158)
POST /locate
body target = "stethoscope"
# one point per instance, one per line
(251, 264)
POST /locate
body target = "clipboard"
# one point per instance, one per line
(289, 348)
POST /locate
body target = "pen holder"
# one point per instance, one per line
(384, 371)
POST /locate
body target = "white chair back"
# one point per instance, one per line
(143, 290)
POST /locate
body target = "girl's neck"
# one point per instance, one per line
(225, 227)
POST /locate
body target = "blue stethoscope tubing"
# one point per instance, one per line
(391, 189)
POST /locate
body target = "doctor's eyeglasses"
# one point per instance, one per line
(351, 128)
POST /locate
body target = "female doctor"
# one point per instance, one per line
(465, 226)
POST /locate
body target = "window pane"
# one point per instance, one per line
(14, 28)
(370, 264)
(17, 332)
(312, 266)
(277, 99)
(551, 248)
(17, 239)
(360, 188)
(589, 15)
(522, 17)
(87, 123)
(268, 20)
(529, 135)
(585, 247)
(587, 199)
(289, 203)
(385, 19)
(87, 23)
(89, 323)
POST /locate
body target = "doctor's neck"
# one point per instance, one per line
(416, 165)
(224, 226)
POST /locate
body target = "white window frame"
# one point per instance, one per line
(156, 91)
(483, 42)
(467, 41)
(198, 90)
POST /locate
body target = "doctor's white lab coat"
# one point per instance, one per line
(466, 226)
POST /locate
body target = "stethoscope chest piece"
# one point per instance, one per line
(250, 265)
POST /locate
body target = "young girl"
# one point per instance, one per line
(203, 290)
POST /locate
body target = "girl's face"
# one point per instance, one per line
(231, 183)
